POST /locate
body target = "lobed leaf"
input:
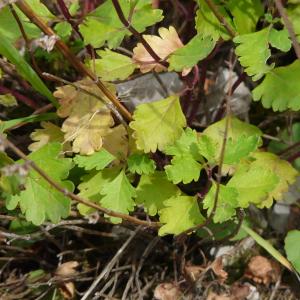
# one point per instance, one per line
(157, 124)
(140, 163)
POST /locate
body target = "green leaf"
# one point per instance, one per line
(207, 25)
(240, 148)
(254, 50)
(188, 56)
(280, 89)
(291, 246)
(281, 168)
(238, 132)
(158, 124)
(63, 29)
(118, 195)
(183, 169)
(5, 125)
(208, 148)
(103, 24)
(187, 144)
(246, 14)
(253, 184)
(293, 12)
(23, 68)
(113, 65)
(180, 214)
(91, 186)
(226, 204)
(98, 160)
(39, 200)
(140, 163)
(8, 100)
(153, 190)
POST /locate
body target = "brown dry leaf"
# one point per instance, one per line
(67, 269)
(262, 270)
(239, 291)
(167, 291)
(88, 119)
(214, 296)
(163, 46)
(217, 267)
(67, 290)
(116, 142)
(194, 271)
(49, 133)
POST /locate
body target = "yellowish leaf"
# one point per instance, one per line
(163, 46)
(116, 142)
(88, 119)
(47, 134)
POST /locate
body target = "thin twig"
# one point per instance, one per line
(126, 23)
(289, 26)
(110, 265)
(75, 62)
(71, 195)
(221, 18)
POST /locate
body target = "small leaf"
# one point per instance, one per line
(118, 195)
(226, 204)
(112, 65)
(280, 89)
(8, 100)
(63, 29)
(207, 148)
(140, 164)
(88, 119)
(240, 148)
(183, 169)
(180, 214)
(292, 249)
(157, 124)
(98, 160)
(153, 190)
(189, 55)
(39, 200)
(163, 46)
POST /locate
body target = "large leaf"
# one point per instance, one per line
(226, 204)
(207, 23)
(281, 168)
(280, 89)
(23, 68)
(180, 213)
(253, 49)
(292, 249)
(117, 196)
(39, 201)
(158, 124)
(153, 190)
(253, 183)
(103, 24)
(88, 119)
(246, 14)
(188, 56)
(242, 138)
